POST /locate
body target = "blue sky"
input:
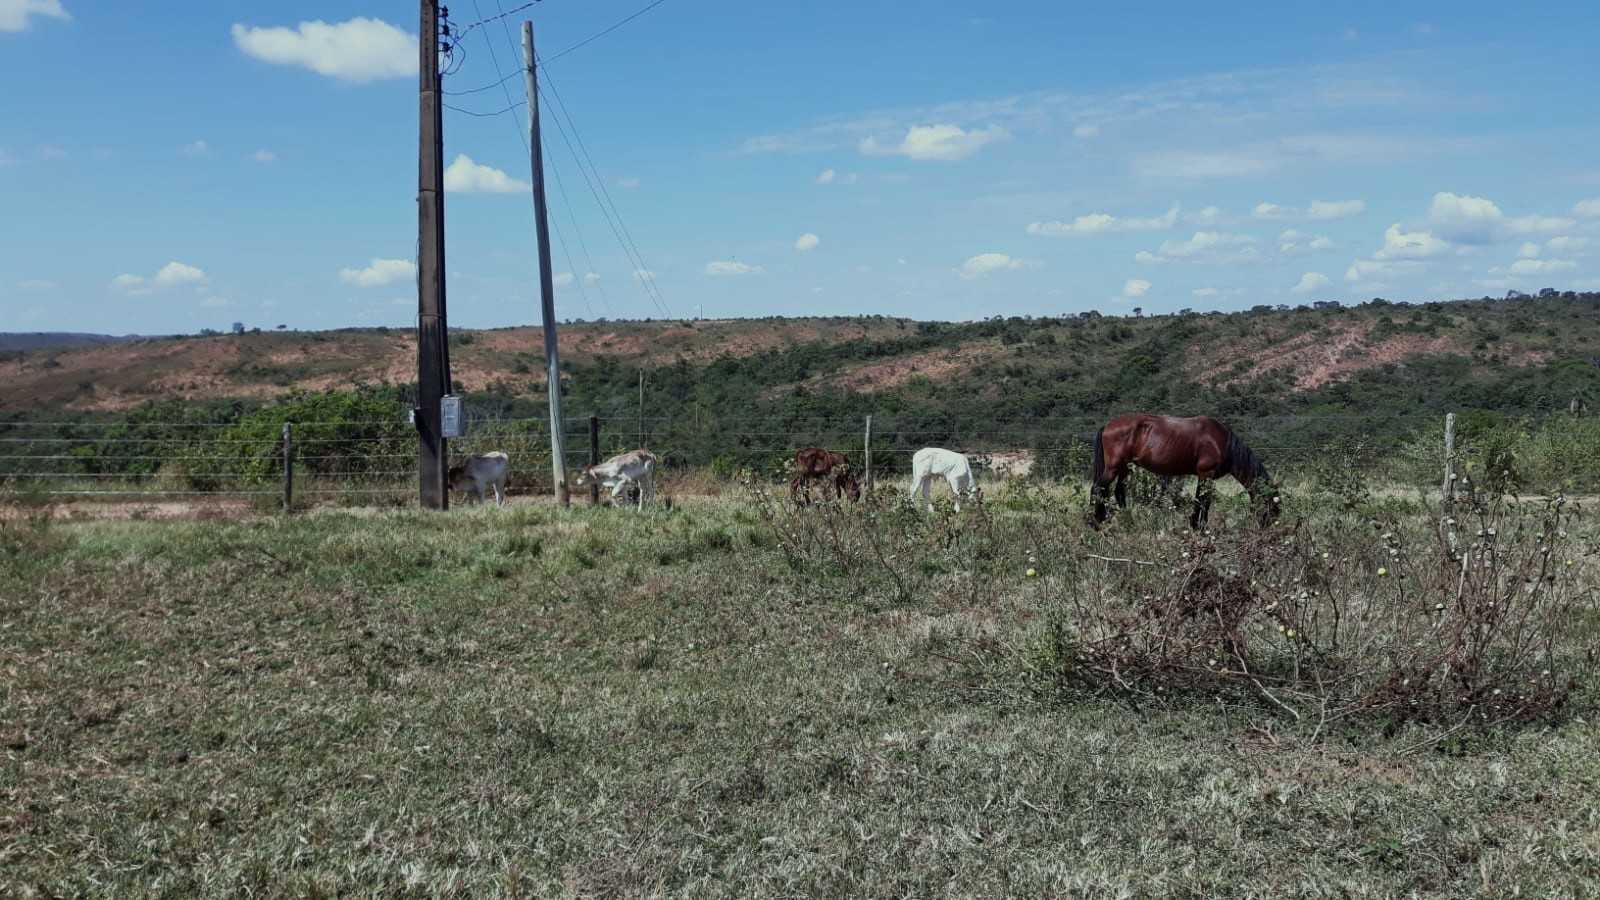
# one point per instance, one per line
(230, 161)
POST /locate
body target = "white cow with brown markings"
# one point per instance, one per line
(634, 467)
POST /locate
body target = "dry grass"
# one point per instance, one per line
(720, 700)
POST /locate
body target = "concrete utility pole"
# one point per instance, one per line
(547, 298)
(433, 342)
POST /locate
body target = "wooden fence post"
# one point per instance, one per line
(867, 450)
(288, 468)
(1449, 492)
(594, 458)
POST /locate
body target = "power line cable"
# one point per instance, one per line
(571, 213)
(595, 37)
(523, 136)
(642, 274)
(649, 276)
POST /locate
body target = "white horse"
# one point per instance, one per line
(931, 462)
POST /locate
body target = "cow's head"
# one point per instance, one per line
(457, 478)
(585, 475)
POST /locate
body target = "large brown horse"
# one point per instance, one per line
(815, 464)
(1171, 446)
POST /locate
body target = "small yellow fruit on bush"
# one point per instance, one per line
(1382, 571)
(1032, 573)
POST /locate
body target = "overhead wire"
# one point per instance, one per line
(642, 271)
(583, 245)
(613, 217)
(522, 135)
(595, 37)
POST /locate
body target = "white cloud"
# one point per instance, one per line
(1191, 164)
(1205, 292)
(264, 156)
(562, 279)
(938, 142)
(722, 268)
(1528, 251)
(1399, 244)
(1566, 244)
(1478, 220)
(1309, 282)
(195, 149)
(628, 183)
(131, 284)
(1135, 287)
(807, 241)
(1587, 209)
(379, 272)
(1464, 218)
(1101, 223)
(1538, 224)
(1086, 131)
(215, 302)
(467, 177)
(591, 278)
(1319, 210)
(984, 263)
(1205, 247)
(173, 274)
(642, 275)
(36, 284)
(1296, 243)
(176, 273)
(826, 176)
(14, 13)
(359, 50)
(1210, 215)
(1538, 267)
(1328, 210)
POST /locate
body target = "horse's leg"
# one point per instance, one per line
(1122, 487)
(927, 489)
(955, 482)
(1202, 503)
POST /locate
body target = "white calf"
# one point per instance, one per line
(616, 473)
(481, 471)
(931, 462)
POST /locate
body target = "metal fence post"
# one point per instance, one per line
(288, 467)
(594, 458)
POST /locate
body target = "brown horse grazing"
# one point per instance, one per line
(814, 464)
(1170, 446)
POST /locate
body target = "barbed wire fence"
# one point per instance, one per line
(373, 463)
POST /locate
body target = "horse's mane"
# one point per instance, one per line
(1242, 461)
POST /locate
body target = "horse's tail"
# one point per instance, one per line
(1097, 458)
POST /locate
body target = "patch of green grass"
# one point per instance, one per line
(526, 702)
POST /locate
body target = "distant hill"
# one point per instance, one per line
(36, 340)
(1515, 355)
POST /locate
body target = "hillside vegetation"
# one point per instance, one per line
(1368, 382)
(1514, 355)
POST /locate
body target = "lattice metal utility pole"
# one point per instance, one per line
(433, 342)
(547, 299)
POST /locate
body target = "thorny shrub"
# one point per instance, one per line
(1472, 625)
(886, 546)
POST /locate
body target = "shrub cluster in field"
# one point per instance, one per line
(1327, 619)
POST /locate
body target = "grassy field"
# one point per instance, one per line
(734, 698)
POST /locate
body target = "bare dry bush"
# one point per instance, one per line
(1340, 621)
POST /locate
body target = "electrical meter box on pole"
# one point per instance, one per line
(450, 424)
